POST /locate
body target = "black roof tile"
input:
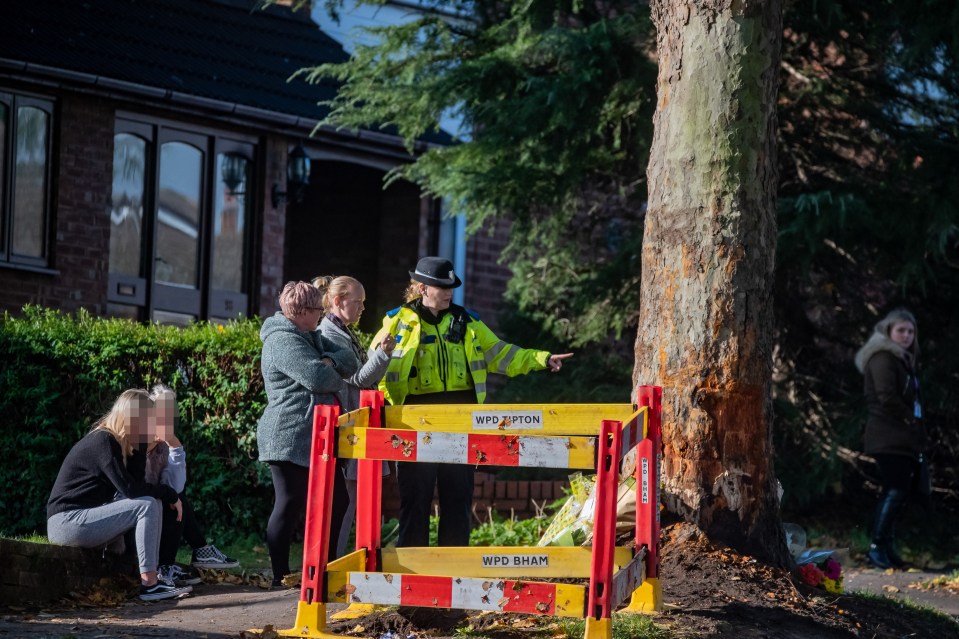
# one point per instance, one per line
(221, 50)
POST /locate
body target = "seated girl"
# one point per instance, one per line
(95, 498)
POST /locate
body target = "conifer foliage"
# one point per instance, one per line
(557, 99)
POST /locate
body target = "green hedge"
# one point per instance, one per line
(59, 373)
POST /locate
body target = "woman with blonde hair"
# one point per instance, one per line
(344, 300)
(301, 369)
(95, 498)
(895, 436)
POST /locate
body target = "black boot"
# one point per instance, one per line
(894, 557)
(877, 556)
(882, 531)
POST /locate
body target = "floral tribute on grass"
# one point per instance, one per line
(817, 568)
(822, 572)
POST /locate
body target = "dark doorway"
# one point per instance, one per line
(348, 224)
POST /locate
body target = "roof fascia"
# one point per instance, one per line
(283, 123)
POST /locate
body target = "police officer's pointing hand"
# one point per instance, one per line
(555, 362)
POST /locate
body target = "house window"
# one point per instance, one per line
(25, 153)
(179, 235)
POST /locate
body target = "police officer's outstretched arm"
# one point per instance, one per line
(509, 359)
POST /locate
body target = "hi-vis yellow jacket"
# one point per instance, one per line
(427, 361)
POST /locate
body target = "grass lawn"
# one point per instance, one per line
(251, 553)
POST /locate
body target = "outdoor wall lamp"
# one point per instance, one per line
(233, 172)
(297, 178)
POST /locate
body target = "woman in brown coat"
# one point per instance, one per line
(895, 436)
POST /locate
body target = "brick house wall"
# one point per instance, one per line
(508, 497)
(273, 231)
(80, 197)
(486, 278)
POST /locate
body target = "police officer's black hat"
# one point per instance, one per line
(435, 271)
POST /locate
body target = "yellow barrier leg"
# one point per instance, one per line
(356, 610)
(598, 628)
(647, 599)
(310, 622)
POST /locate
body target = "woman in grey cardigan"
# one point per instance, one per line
(300, 370)
(343, 303)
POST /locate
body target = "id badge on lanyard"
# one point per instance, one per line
(916, 406)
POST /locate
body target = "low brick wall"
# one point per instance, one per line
(517, 498)
(32, 572)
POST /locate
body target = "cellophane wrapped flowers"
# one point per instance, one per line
(826, 574)
(817, 568)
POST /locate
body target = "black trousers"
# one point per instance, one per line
(290, 485)
(174, 531)
(454, 483)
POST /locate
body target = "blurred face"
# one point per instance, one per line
(903, 333)
(349, 307)
(142, 423)
(165, 413)
(437, 299)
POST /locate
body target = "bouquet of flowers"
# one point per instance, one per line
(820, 569)
(817, 568)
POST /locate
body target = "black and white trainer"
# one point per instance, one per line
(210, 556)
(177, 576)
(163, 590)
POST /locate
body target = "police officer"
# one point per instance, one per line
(443, 355)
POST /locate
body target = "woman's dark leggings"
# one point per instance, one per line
(173, 531)
(290, 484)
(896, 472)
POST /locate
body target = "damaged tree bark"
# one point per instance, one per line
(705, 329)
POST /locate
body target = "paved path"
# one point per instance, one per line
(221, 611)
(213, 611)
(900, 585)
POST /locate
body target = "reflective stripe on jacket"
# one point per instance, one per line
(424, 351)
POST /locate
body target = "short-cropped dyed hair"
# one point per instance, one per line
(298, 298)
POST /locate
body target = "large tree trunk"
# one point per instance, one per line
(705, 328)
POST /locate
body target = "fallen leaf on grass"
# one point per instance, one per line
(524, 623)
(890, 588)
